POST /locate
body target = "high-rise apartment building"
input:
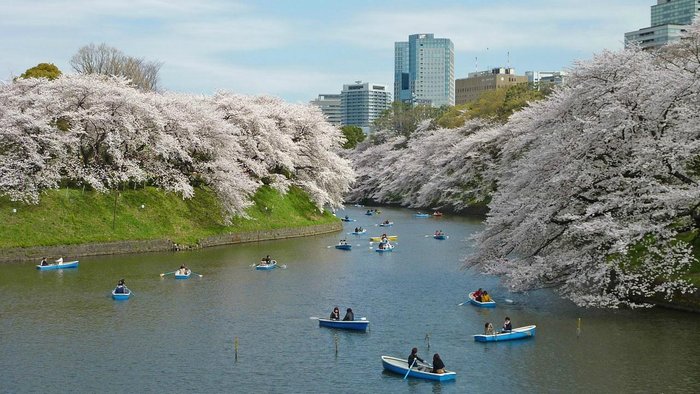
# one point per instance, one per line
(669, 19)
(330, 106)
(362, 103)
(424, 70)
(470, 88)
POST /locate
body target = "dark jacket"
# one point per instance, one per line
(335, 315)
(507, 326)
(438, 364)
(411, 358)
(349, 316)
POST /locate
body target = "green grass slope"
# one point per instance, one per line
(73, 216)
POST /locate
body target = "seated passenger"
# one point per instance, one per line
(438, 365)
(485, 297)
(335, 315)
(507, 326)
(349, 316)
(488, 329)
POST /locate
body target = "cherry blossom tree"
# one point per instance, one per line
(101, 132)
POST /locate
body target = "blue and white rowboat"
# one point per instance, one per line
(386, 248)
(422, 215)
(488, 304)
(266, 267)
(183, 276)
(364, 230)
(401, 366)
(121, 296)
(386, 224)
(343, 246)
(69, 264)
(347, 219)
(440, 236)
(516, 333)
(356, 325)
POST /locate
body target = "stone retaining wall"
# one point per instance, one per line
(70, 252)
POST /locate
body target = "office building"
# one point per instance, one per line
(669, 20)
(362, 103)
(424, 70)
(330, 106)
(470, 88)
(538, 79)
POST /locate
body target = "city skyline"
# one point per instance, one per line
(297, 50)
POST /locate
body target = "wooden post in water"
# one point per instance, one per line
(578, 328)
(235, 347)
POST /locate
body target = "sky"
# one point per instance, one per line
(297, 49)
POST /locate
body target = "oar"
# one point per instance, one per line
(409, 368)
(314, 318)
(194, 273)
(167, 273)
(462, 303)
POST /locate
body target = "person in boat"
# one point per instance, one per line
(347, 217)
(477, 294)
(43, 262)
(413, 358)
(349, 316)
(335, 315)
(488, 329)
(121, 287)
(507, 326)
(485, 297)
(386, 222)
(357, 230)
(59, 260)
(343, 242)
(438, 365)
(266, 260)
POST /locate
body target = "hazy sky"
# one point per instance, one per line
(298, 49)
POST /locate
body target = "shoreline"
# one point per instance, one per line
(35, 253)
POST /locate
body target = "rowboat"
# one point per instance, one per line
(516, 333)
(488, 304)
(347, 219)
(379, 239)
(369, 213)
(263, 267)
(183, 276)
(386, 224)
(401, 367)
(422, 215)
(437, 214)
(387, 248)
(356, 325)
(68, 264)
(364, 230)
(121, 296)
(440, 236)
(343, 246)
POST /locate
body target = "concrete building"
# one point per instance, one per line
(669, 19)
(424, 70)
(362, 103)
(330, 106)
(470, 88)
(539, 78)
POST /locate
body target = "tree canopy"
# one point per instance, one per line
(100, 132)
(106, 60)
(353, 136)
(42, 70)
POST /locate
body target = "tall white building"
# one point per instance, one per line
(669, 19)
(362, 102)
(424, 71)
(330, 106)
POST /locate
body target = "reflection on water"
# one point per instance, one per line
(178, 335)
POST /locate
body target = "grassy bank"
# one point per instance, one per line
(73, 216)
